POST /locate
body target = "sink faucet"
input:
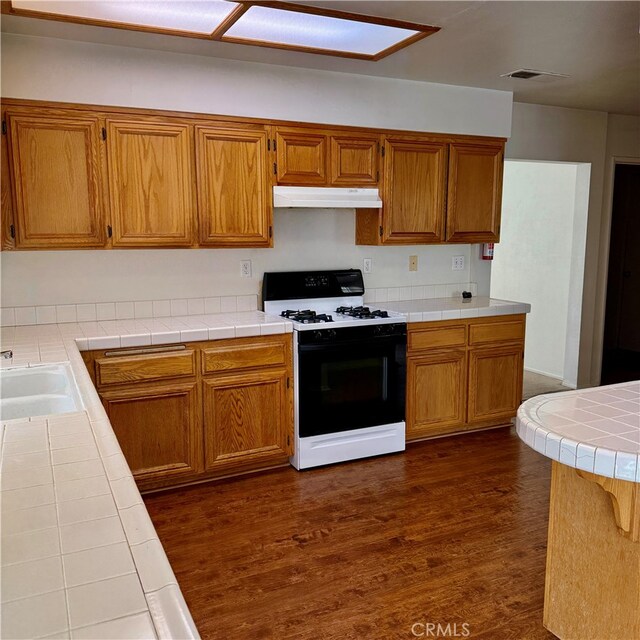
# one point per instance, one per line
(6, 355)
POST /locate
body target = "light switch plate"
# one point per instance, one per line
(367, 265)
(413, 263)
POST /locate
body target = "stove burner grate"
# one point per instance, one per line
(362, 313)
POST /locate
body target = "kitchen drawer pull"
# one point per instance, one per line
(145, 350)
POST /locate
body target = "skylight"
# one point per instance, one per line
(193, 17)
(280, 25)
(309, 31)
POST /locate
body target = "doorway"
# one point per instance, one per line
(621, 345)
(540, 260)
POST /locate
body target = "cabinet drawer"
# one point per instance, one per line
(437, 337)
(247, 356)
(143, 368)
(487, 332)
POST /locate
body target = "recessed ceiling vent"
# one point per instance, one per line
(535, 75)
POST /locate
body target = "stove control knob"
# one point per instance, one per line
(317, 335)
(381, 330)
(331, 334)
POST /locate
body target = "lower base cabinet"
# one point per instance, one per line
(245, 420)
(189, 413)
(158, 429)
(463, 374)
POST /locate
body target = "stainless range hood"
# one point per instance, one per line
(326, 198)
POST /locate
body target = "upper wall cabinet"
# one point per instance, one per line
(413, 195)
(56, 170)
(301, 157)
(313, 158)
(354, 160)
(150, 183)
(474, 192)
(234, 189)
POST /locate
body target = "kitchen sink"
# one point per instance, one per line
(27, 392)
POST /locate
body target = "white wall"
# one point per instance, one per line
(61, 70)
(541, 247)
(570, 135)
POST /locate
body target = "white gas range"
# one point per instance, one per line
(349, 366)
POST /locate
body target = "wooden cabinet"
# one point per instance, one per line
(415, 173)
(436, 384)
(150, 183)
(474, 192)
(188, 413)
(301, 157)
(248, 403)
(325, 158)
(354, 160)
(246, 420)
(463, 374)
(495, 382)
(56, 171)
(76, 176)
(234, 189)
(158, 429)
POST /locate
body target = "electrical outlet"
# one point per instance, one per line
(366, 264)
(245, 268)
(457, 263)
(413, 263)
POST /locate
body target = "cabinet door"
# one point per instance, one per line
(56, 169)
(157, 427)
(301, 157)
(414, 189)
(436, 393)
(354, 160)
(234, 191)
(475, 193)
(495, 382)
(247, 420)
(150, 183)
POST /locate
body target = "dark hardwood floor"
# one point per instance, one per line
(452, 531)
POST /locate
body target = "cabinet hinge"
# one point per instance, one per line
(104, 133)
(109, 231)
(270, 231)
(12, 231)
(275, 168)
(4, 127)
(377, 176)
(269, 144)
(381, 231)
(288, 441)
(274, 144)
(382, 151)
(288, 382)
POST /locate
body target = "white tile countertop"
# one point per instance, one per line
(80, 556)
(432, 309)
(596, 430)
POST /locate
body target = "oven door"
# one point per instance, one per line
(351, 385)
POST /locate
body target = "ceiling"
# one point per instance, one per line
(596, 43)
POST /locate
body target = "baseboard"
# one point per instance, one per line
(544, 373)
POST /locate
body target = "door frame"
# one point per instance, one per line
(603, 265)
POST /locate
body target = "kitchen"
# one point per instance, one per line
(187, 283)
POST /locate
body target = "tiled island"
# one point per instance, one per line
(592, 585)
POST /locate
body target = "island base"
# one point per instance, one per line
(592, 585)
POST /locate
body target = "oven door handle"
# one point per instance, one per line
(378, 342)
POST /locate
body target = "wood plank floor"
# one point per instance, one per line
(452, 531)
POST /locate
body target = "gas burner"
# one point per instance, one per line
(362, 313)
(306, 316)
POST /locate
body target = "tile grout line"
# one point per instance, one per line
(64, 578)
